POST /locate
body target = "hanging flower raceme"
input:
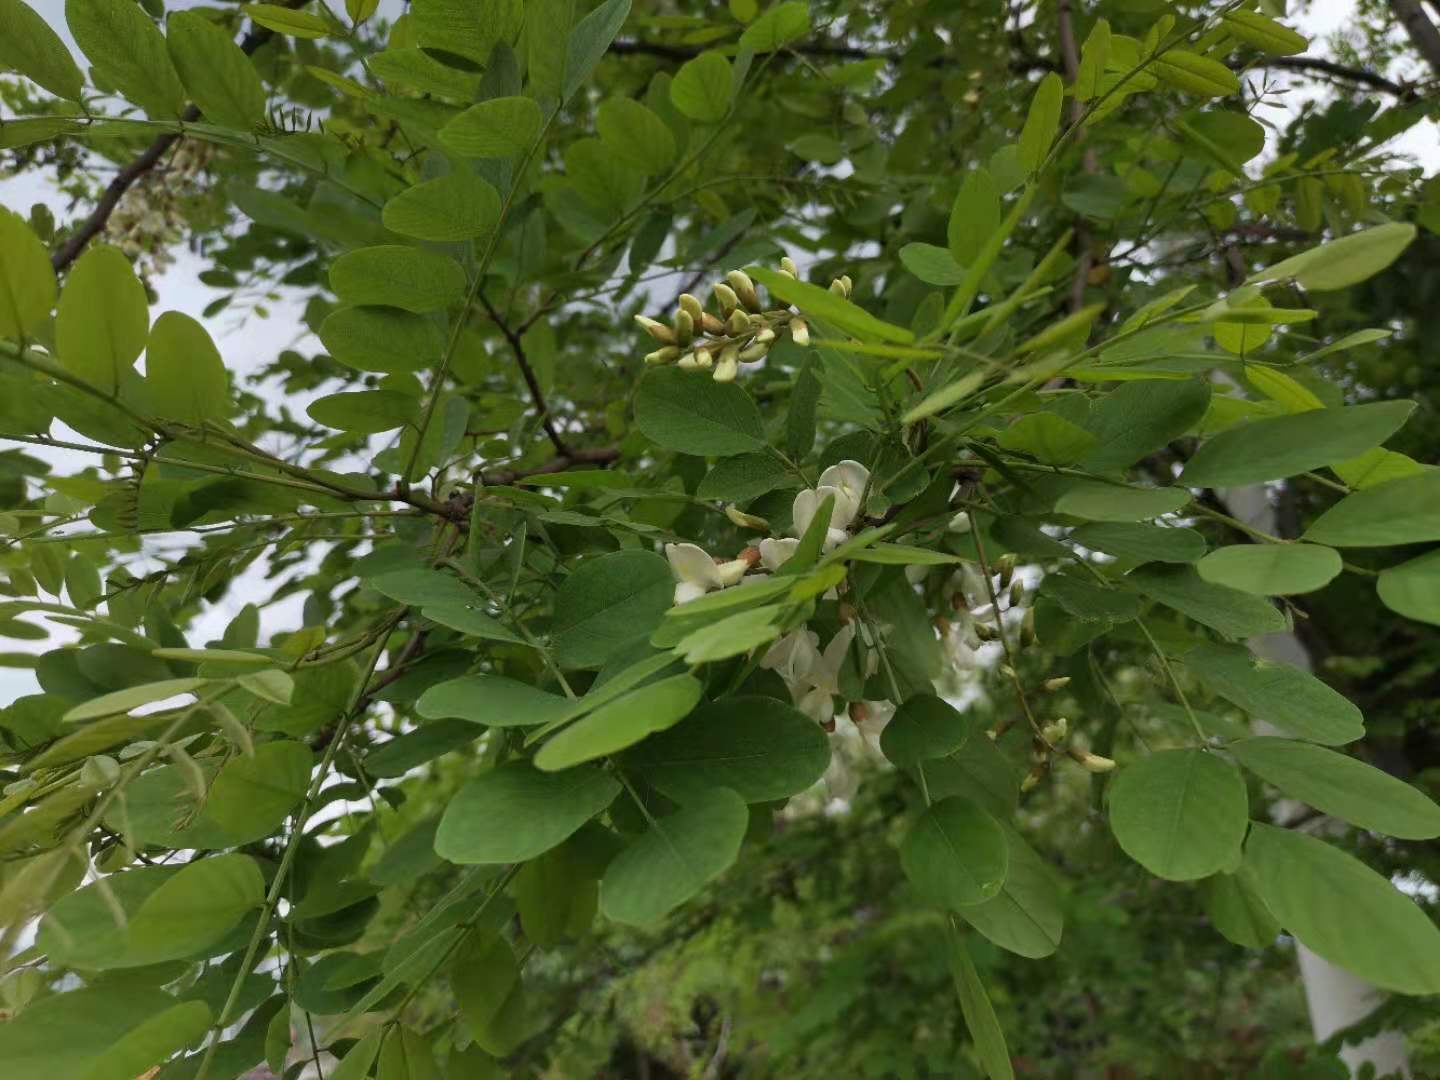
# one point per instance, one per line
(742, 330)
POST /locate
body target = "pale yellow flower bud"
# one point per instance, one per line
(838, 288)
(1055, 732)
(657, 330)
(746, 521)
(1058, 683)
(684, 327)
(729, 364)
(1092, 762)
(757, 351)
(737, 324)
(744, 289)
(799, 332)
(726, 298)
(689, 362)
(788, 265)
(711, 324)
(663, 356)
(693, 306)
(765, 336)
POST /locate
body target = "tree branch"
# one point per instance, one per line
(114, 191)
(518, 348)
(1423, 34)
(600, 455)
(1317, 65)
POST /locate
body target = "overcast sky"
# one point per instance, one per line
(252, 342)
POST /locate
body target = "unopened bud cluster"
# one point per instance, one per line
(742, 332)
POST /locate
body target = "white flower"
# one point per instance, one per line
(696, 573)
(803, 511)
(794, 656)
(823, 679)
(848, 478)
(871, 717)
(960, 523)
(776, 553)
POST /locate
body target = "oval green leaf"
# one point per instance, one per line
(1181, 814)
(515, 812)
(955, 854)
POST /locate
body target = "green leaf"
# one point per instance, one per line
(779, 26)
(1094, 57)
(1412, 589)
(701, 88)
(132, 697)
(732, 635)
(1286, 445)
(1195, 74)
(824, 305)
(1181, 814)
(515, 812)
(103, 318)
(974, 217)
(464, 29)
(932, 265)
(28, 45)
(1141, 543)
(1237, 911)
(397, 276)
(923, 727)
(1271, 569)
(1140, 417)
(1042, 122)
(492, 700)
(456, 206)
(902, 555)
(1343, 910)
(196, 908)
(414, 748)
(1098, 501)
(1264, 33)
(406, 1055)
(636, 134)
(359, 1058)
(1403, 511)
(498, 128)
(589, 41)
(694, 414)
(1026, 916)
(365, 411)
(184, 372)
(677, 856)
(220, 78)
(1343, 262)
(757, 747)
(252, 796)
(985, 1029)
(1049, 439)
(128, 52)
(284, 20)
(1229, 611)
(418, 70)
(1278, 694)
(955, 854)
(82, 582)
(744, 477)
(27, 283)
(98, 1033)
(485, 977)
(382, 339)
(621, 723)
(1341, 786)
(608, 602)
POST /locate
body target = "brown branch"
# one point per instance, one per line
(114, 191)
(518, 348)
(599, 455)
(1423, 34)
(1317, 65)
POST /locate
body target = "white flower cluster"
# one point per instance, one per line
(150, 220)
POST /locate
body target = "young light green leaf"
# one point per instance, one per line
(1098, 501)
(1271, 569)
(677, 856)
(418, 70)
(108, 1032)
(758, 747)
(287, 21)
(220, 78)
(28, 45)
(464, 30)
(1195, 74)
(955, 854)
(1049, 439)
(129, 52)
(1181, 814)
(1094, 56)
(396, 276)
(1142, 416)
(1339, 907)
(104, 317)
(384, 339)
(701, 88)
(1278, 694)
(196, 908)
(694, 414)
(1282, 446)
(931, 264)
(252, 796)
(589, 41)
(824, 305)
(456, 206)
(636, 134)
(498, 128)
(1343, 262)
(184, 372)
(780, 25)
(621, 723)
(492, 700)
(1264, 33)
(1041, 122)
(1412, 589)
(122, 701)
(538, 809)
(1341, 786)
(27, 282)
(1402, 511)
(1140, 542)
(365, 411)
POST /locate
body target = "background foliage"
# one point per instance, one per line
(537, 786)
